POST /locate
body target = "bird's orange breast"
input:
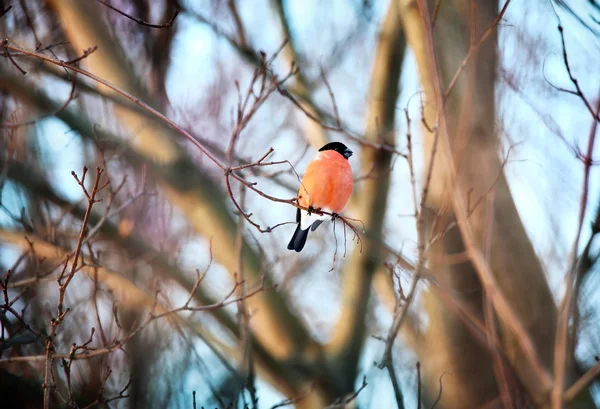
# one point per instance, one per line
(327, 182)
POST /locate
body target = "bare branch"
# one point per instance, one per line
(578, 92)
(62, 286)
(5, 43)
(582, 383)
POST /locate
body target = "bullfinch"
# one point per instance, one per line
(326, 186)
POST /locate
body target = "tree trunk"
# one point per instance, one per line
(448, 345)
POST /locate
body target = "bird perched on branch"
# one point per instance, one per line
(326, 187)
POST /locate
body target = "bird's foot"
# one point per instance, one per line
(316, 210)
(334, 216)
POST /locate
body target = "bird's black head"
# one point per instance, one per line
(339, 148)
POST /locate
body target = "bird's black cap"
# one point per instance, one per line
(339, 148)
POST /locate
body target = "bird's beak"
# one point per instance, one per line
(348, 153)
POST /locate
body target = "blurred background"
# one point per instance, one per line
(245, 322)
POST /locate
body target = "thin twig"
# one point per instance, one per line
(418, 365)
(86, 53)
(582, 383)
(562, 340)
(238, 22)
(439, 397)
(574, 80)
(62, 286)
(474, 47)
(6, 10)
(5, 44)
(139, 20)
(344, 402)
(395, 384)
(291, 401)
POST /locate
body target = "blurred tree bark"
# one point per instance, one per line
(370, 202)
(447, 345)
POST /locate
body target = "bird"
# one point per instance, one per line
(325, 187)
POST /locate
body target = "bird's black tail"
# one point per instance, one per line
(298, 239)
